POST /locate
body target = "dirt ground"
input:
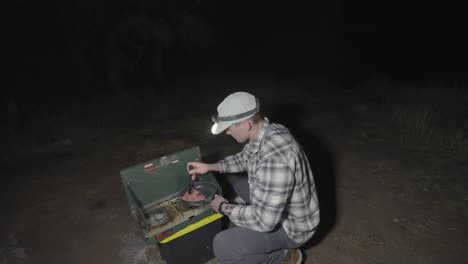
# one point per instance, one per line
(382, 202)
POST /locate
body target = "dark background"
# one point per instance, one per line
(66, 53)
(61, 46)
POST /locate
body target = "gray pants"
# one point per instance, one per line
(242, 245)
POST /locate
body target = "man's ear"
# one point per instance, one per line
(247, 125)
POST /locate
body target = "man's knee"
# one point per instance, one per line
(220, 245)
(241, 187)
(224, 249)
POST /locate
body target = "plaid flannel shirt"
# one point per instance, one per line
(282, 188)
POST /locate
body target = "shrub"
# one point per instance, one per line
(432, 115)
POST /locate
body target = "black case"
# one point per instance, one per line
(195, 247)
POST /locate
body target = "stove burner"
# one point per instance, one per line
(158, 216)
(169, 213)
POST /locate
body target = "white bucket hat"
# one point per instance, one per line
(235, 108)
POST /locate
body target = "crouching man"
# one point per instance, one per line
(276, 210)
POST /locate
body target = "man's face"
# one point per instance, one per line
(238, 131)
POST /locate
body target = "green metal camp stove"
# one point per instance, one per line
(152, 190)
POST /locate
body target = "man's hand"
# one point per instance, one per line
(201, 168)
(217, 201)
(197, 167)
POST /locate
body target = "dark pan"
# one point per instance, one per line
(208, 189)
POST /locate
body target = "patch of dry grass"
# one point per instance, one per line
(428, 115)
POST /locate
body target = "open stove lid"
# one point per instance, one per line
(159, 179)
(154, 183)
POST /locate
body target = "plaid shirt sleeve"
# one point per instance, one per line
(274, 183)
(234, 163)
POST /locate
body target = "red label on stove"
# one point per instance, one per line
(148, 169)
(164, 235)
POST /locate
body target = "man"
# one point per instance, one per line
(277, 211)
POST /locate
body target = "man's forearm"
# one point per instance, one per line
(214, 167)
